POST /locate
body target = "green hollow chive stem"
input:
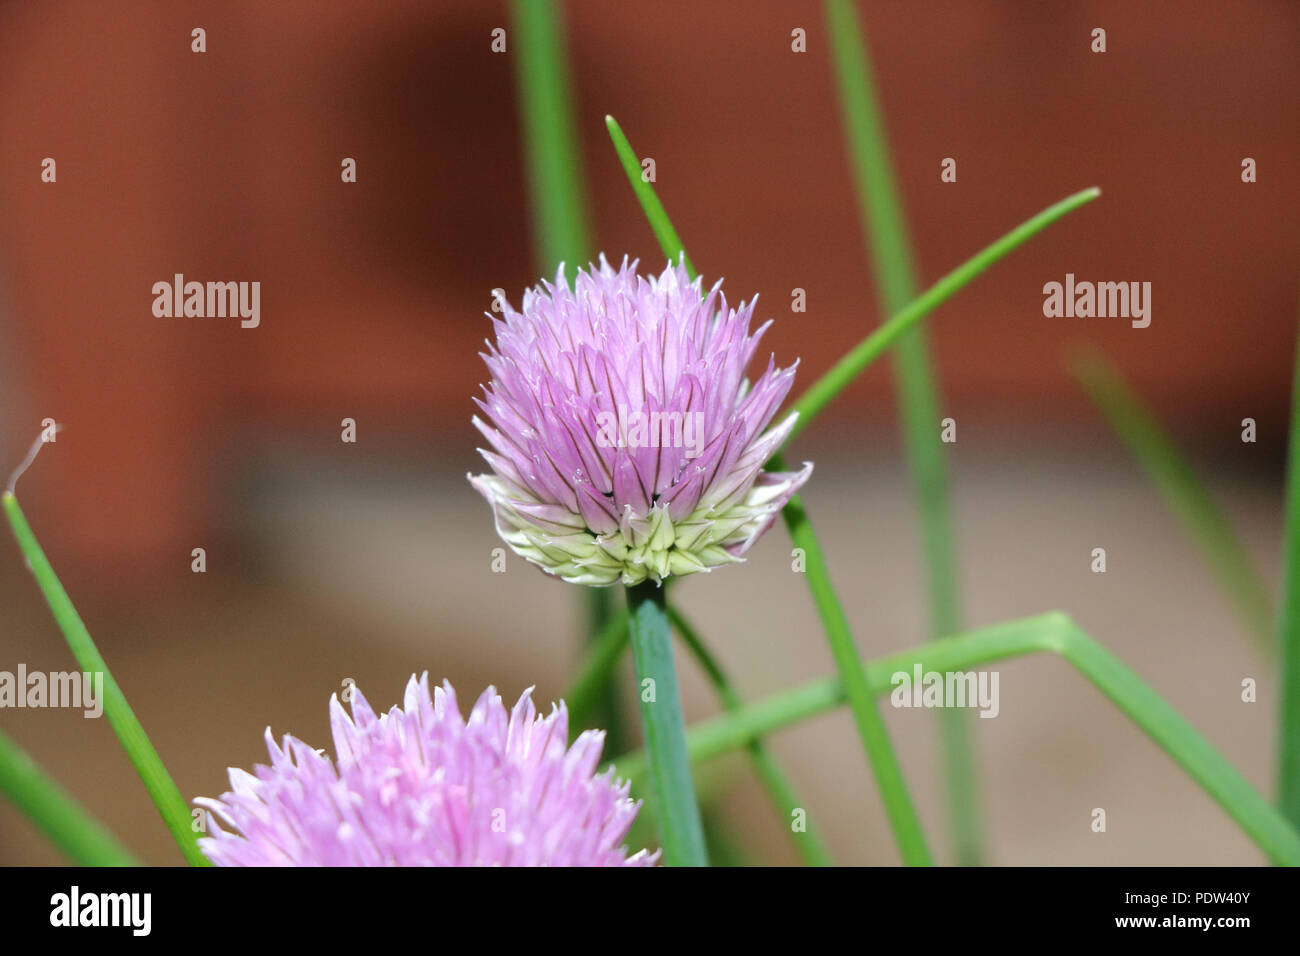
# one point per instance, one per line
(917, 389)
(157, 781)
(671, 789)
(55, 813)
(605, 652)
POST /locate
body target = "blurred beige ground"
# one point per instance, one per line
(375, 575)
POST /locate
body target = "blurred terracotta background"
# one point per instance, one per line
(330, 560)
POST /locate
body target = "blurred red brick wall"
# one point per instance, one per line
(225, 166)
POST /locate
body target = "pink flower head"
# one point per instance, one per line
(420, 786)
(626, 441)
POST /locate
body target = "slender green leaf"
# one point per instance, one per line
(779, 789)
(159, 784)
(662, 226)
(550, 142)
(1183, 492)
(54, 811)
(1056, 633)
(880, 203)
(827, 388)
(903, 818)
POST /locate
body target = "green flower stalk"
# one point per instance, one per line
(157, 781)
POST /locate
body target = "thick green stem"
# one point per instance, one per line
(1055, 633)
(69, 827)
(605, 653)
(880, 203)
(672, 792)
(159, 784)
(1288, 764)
(779, 789)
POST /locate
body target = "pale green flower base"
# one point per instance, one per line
(645, 548)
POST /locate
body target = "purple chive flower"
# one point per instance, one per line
(626, 441)
(420, 786)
